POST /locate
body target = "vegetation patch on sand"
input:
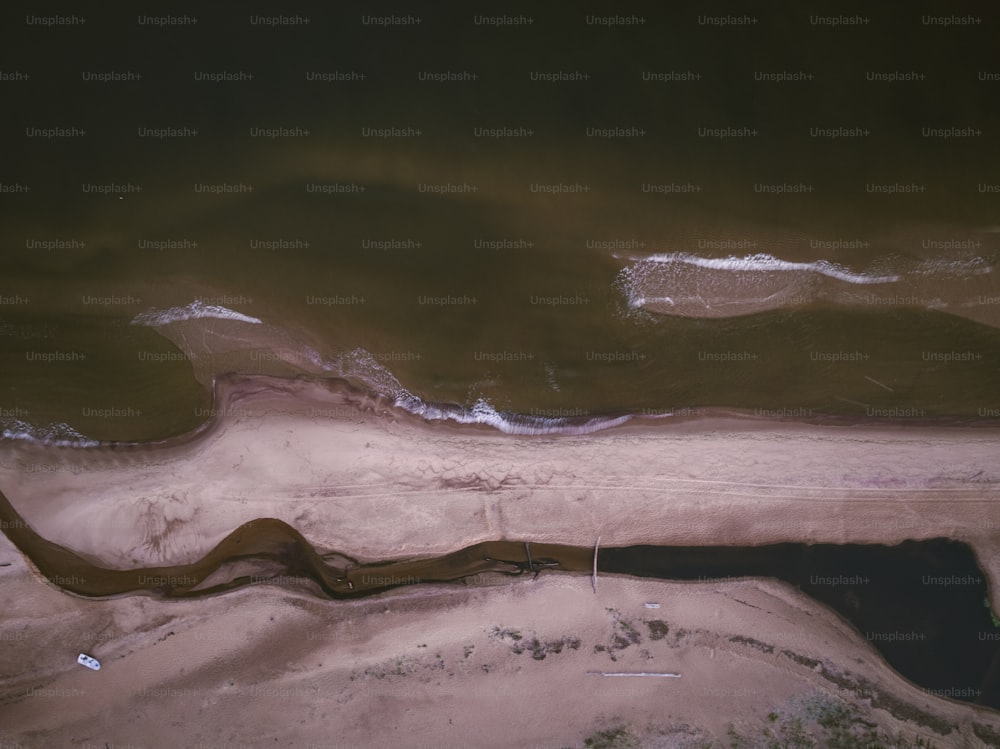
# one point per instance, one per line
(623, 635)
(538, 648)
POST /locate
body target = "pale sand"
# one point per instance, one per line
(376, 488)
(420, 668)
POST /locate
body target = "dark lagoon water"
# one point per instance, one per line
(921, 604)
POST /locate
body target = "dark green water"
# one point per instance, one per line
(619, 298)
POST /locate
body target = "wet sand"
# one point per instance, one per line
(375, 484)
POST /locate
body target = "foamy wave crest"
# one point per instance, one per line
(362, 367)
(57, 435)
(482, 412)
(691, 286)
(195, 310)
(272, 344)
(763, 262)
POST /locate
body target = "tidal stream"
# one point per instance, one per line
(922, 604)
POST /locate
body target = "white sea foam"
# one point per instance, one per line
(56, 434)
(483, 412)
(358, 366)
(685, 284)
(362, 367)
(765, 262)
(195, 310)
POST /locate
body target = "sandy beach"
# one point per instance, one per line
(441, 666)
(376, 483)
(409, 667)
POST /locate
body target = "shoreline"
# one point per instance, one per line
(337, 420)
(234, 394)
(338, 478)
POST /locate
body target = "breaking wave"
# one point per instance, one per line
(194, 311)
(687, 285)
(217, 340)
(361, 366)
(765, 262)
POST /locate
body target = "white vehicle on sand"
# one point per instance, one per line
(85, 660)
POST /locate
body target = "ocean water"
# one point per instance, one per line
(539, 350)
(682, 230)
